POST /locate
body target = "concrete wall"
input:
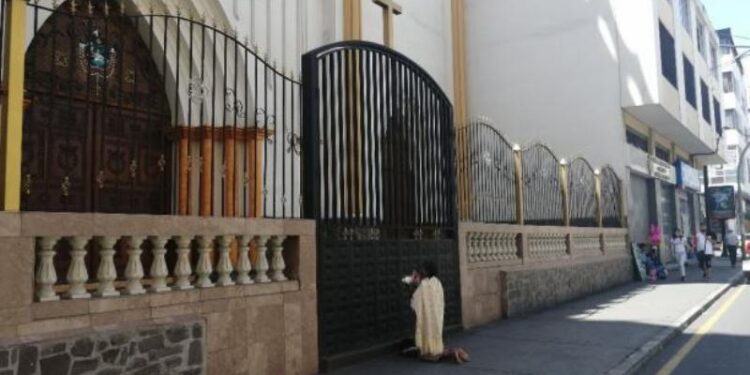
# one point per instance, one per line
(548, 70)
(508, 277)
(252, 329)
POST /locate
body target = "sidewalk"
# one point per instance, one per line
(609, 333)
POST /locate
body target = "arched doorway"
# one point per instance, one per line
(96, 120)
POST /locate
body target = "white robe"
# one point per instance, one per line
(428, 303)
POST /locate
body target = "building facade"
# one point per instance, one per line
(638, 77)
(736, 127)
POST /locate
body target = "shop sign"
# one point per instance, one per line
(688, 177)
(720, 202)
(661, 170)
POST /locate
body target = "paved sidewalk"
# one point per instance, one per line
(609, 333)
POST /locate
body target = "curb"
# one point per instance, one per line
(635, 360)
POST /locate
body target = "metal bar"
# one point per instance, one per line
(245, 177)
(282, 141)
(264, 181)
(326, 63)
(341, 157)
(210, 140)
(361, 139)
(189, 126)
(369, 137)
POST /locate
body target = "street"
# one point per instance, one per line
(718, 342)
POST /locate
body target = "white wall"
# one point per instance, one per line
(422, 32)
(548, 70)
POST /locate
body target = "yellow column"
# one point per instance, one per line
(518, 170)
(565, 192)
(598, 191)
(12, 115)
(352, 19)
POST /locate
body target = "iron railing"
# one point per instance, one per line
(155, 113)
(493, 174)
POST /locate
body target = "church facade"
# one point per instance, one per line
(237, 186)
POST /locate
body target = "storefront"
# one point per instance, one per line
(688, 197)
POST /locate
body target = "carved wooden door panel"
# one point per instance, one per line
(96, 117)
(131, 163)
(57, 142)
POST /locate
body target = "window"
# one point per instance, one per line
(731, 119)
(668, 60)
(714, 61)
(717, 116)
(700, 37)
(690, 96)
(637, 140)
(705, 102)
(662, 153)
(728, 82)
(685, 16)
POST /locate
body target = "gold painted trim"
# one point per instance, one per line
(459, 61)
(352, 19)
(12, 117)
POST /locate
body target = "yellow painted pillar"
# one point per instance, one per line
(598, 192)
(518, 170)
(11, 129)
(565, 192)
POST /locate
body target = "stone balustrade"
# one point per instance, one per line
(80, 281)
(488, 245)
(586, 243)
(485, 247)
(547, 245)
(615, 241)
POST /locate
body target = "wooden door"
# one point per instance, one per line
(96, 118)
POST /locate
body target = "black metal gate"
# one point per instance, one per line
(379, 179)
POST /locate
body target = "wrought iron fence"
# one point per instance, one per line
(486, 174)
(611, 186)
(582, 193)
(542, 195)
(492, 173)
(155, 113)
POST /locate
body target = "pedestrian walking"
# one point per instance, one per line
(704, 251)
(679, 247)
(731, 242)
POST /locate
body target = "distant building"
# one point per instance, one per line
(736, 124)
(645, 96)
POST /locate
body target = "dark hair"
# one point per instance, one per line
(429, 269)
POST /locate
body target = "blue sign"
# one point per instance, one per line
(687, 176)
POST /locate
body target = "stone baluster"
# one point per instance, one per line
(78, 275)
(470, 247)
(182, 269)
(480, 247)
(46, 276)
(134, 268)
(496, 246)
(204, 268)
(107, 273)
(261, 261)
(158, 271)
(224, 266)
(488, 247)
(277, 258)
(243, 262)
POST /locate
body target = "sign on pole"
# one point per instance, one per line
(720, 202)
